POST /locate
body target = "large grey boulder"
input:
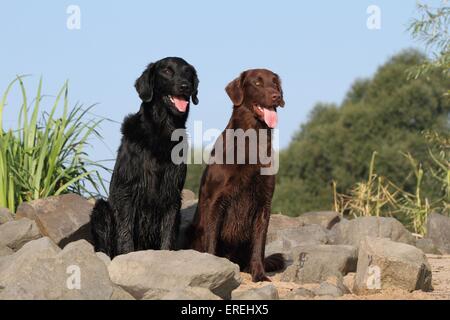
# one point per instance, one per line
(308, 234)
(190, 293)
(352, 232)
(438, 230)
(139, 272)
(15, 234)
(5, 251)
(63, 219)
(285, 239)
(301, 294)
(40, 270)
(42, 248)
(155, 294)
(317, 263)
(187, 293)
(385, 264)
(95, 276)
(281, 222)
(333, 287)
(427, 246)
(5, 216)
(329, 290)
(326, 219)
(120, 294)
(266, 292)
(104, 257)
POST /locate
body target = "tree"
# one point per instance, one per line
(432, 29)
(386, 113)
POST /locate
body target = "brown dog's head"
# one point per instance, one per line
(260, 91)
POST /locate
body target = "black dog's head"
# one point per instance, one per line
(171, 79)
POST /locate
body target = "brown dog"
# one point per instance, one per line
(235, 198)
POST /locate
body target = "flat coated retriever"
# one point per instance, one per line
(142, 211)
(235, 199)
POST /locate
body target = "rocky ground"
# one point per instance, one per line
(440, 266)
(45, 254)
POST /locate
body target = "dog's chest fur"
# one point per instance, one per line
(144, 157)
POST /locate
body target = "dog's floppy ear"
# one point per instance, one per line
(144, 84)
(281, 91)
(235, 90)
(195, 92)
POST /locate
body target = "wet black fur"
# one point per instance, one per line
(142, 211)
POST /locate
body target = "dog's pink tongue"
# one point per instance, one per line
(180, 103)
(270, 117)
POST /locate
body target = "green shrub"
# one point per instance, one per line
(379, 196)
(46, 155)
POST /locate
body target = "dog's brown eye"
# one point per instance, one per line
(258, 83)
(168, 71)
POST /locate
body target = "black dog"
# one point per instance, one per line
(142, 211)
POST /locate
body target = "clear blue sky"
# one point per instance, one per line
(318, 47)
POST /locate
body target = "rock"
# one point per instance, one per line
(325, 298)
(186, 219)
(104, 257)
(328, 289)
(438, 230)
(5, 216)
(301, 294)
(337, 283)
(316, 263)
(285, 239)
(40, 270)
(95, 282)
(15, 234)
(155, 294)
(20, 278)
(427, 246)
(138, 272)
(278, 247)
(352, 232)
(282, 222)
(120, 294)
(267, 292)
(5, 251)
(190, 293)
(385, 264)
(349, 280)
(326, 219)
(42, 248)
(188, 199)
(63, 219)
(187, 293)
(307, 234)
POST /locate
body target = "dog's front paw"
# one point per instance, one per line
(260, 277)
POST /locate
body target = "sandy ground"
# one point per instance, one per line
(440, 266)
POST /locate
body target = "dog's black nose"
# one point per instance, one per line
(184, 87)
